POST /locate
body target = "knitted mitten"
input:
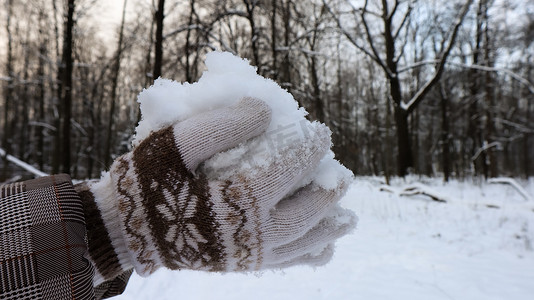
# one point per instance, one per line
(154, 208)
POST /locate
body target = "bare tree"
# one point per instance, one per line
(392, 86)
(388, 57)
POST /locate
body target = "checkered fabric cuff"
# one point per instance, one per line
(43, 241)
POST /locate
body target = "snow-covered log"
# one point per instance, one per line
(513, 183)
(415, 189)
(389, 189)
(419, 189)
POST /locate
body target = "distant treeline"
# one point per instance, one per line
(425, 87)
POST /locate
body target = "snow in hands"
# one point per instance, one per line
(227, 80)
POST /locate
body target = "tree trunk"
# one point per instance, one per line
(8, 96)
(66, 87)
(404, 151)
(159, 40)
(41, 105)
(316, 97)
(188, 77)
(274, 56)
(388, 145)
(286, 62)
(445, 133)
(317, 100)
(250, 6)
(56, 103)
(24, 103)
(404, 148)
(413, 130)
(114, 83)
(491, 161)
(527, 151)
(474, 128)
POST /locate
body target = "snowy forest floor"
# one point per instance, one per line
(477, 245)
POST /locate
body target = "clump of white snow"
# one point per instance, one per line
(227, 80)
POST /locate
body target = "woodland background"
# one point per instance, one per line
(438, 88)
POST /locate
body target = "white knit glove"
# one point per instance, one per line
(158, 209)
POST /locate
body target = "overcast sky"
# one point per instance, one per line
(108, 15)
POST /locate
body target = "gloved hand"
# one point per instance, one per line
(158, 209)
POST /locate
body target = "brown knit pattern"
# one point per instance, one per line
(243, 217)
(170, 217)
(136, 229)
(101, 250)
(176, 204)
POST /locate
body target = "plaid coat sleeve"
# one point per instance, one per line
(43, 243)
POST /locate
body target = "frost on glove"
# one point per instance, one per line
(156, 208)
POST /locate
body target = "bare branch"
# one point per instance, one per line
(415, 189)
(513, 183)
(300, 49)
(417, 65)
(306, 34)
(371, 43)
(485, 148)
(448, 43)
(524, 81)
(351, 38)
(42, 124)
(521, 128)
(181, 29)
(517, 77)
(420, 190)
(392, 13)
(404, 19)
(225, 46)
(364, 9)
(22, 164)
(205, 30)
(403, 48)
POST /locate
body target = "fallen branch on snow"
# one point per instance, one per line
(389, 189)
(415, 189)
(421, 189)
(22, 164)
(514, 184)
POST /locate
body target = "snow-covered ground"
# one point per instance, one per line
(404, 248)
